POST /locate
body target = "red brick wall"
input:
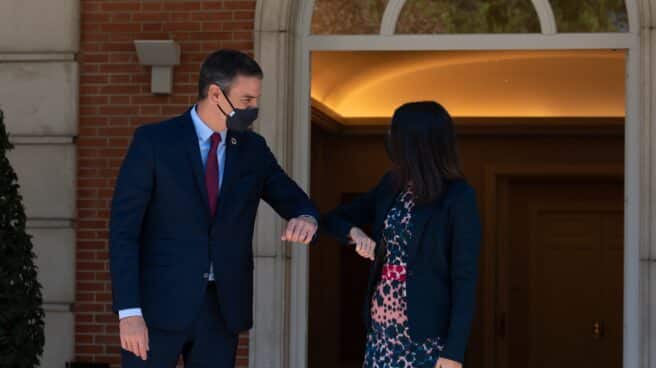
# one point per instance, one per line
(114, 99)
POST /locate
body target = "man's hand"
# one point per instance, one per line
(364, 245)
(134, 336)
(447, 363)
(300, 230)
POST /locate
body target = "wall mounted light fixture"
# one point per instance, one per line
(162, 56)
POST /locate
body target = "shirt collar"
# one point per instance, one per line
(202, 130)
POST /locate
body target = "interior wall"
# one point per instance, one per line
(343, 163)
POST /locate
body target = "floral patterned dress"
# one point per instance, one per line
(388, 342)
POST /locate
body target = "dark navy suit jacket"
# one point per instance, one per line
(162, 236)
(442, 259)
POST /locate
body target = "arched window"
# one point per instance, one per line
(590, 15)
(468, 16)
(347, 16)
(368, 17)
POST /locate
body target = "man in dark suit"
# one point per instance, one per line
(182, 220)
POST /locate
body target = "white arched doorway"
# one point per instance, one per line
(284, 41)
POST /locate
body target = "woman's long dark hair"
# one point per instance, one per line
(422, 145)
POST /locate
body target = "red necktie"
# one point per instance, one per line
(212, 173)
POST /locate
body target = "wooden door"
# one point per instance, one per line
(561, 291)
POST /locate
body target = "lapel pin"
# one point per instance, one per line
(233, 141)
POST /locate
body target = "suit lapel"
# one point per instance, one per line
(193, 155)
(421, 216)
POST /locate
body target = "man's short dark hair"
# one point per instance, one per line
(222, 66)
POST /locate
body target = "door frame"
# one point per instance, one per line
(284, 45)
(629, 42)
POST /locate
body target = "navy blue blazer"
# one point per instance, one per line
(162, 236)
(442, 258)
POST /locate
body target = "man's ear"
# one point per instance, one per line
(214, 94)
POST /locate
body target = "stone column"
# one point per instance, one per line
(39, 95)
(269, 340)
(647, 98)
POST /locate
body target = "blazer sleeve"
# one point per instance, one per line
(357, 213)
(132, 195)
(465, 248)
(281, 192)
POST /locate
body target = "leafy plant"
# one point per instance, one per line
(21, 312)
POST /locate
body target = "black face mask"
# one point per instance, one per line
(239, 120)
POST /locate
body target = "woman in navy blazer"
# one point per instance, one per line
(425, 244)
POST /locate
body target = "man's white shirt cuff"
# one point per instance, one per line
(131, 312)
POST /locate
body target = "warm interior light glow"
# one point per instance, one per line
(476, 84)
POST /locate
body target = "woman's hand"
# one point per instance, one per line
(363, 244)
(447, 363)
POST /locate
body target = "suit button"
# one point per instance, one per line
(410, 273)
(206, 275)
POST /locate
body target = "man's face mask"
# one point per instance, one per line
(239, 120)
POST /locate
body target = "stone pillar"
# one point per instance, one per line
(39, 95)
(647, 98)
(270, 338)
